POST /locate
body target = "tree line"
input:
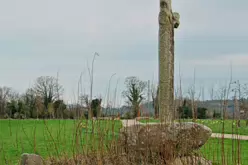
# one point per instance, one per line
(40, 101)
(44, 100)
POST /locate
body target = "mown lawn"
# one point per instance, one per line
(216, 125)
(51, 137)
(57, 138)
(212, 150)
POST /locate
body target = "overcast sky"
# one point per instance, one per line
(39, 38)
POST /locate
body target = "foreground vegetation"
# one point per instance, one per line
(50, 138)
(59, 138)
(230, 126)
(212, 150)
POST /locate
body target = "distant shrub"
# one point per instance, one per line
(128, 115)
(216, 115)
(6, 116)
(16, 115)
(22, 116)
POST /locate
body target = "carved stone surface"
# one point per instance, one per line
(167, 22)
(176, 20)
(174, 140)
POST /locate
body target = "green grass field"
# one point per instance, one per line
(50, 137)
(55, 138)
(216, 125)
(212, 150)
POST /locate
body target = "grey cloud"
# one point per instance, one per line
(198, 47)
(40, 37)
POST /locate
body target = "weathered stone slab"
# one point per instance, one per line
(176, 139)
(31, 159)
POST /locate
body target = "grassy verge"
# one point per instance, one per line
(50, 138)
(212, 150)
(58, 138)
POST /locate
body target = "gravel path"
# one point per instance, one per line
(229, 136)
(131, 122)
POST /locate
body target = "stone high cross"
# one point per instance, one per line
(168, 20)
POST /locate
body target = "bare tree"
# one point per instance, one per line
(39, 106)
(86, 101)
(48, 89)
(245, 102)
(29, 99)
(237, 99)
(5, 93)
(192, 94)
(155, 102)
